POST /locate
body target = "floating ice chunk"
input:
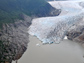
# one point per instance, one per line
(50, 42)
(65, 37)
(38, 44)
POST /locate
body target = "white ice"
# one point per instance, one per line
(53, 29)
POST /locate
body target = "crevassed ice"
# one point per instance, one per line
(53, 29)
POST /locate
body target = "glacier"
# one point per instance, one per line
(53, 29)
(68, 6)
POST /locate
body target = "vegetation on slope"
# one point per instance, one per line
(12, 9)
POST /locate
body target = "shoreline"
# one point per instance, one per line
(65, 52)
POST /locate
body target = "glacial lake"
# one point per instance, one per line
(65, 52)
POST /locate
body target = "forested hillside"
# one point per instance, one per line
(13, 9)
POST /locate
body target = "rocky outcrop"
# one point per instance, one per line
(81, 4)
(14, 39)
(76, 32)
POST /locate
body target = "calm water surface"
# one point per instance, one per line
(65, 52)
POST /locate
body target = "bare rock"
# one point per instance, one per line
(76, 32)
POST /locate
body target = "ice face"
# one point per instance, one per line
(53, 29)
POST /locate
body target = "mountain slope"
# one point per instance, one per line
(13, 9)
(15, 17)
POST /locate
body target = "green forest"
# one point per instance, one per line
(11, 9)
